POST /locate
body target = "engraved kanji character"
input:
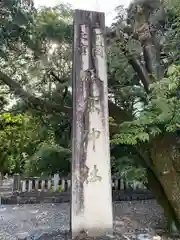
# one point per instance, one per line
(83, 49)
(93, 136)
(92, 101)
(84, 75)
(99, 51)
(99, 40)
(84, 32)
(93, 175)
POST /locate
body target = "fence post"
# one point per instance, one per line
(68, 184)
(23, 185)
(49, 184)
(1, 179)
(116, 184)
(125, 183)
(36, 183)
(16, 182)
(121, 184)
(63, 184)
(42, 185)
(29, 185)
(56, 182)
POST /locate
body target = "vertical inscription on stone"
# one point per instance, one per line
(99, 48)
(84, 51)
(95, 134)
(84, 39)
(91, 178)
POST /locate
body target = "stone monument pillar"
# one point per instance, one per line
(91, 206)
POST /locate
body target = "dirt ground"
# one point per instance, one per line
(132, 220)
(138, 218)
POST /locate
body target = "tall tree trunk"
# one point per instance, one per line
(165, 157)
(162, 159)
(161, 198)
(161, 155)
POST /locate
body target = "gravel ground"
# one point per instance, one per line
(130, 219)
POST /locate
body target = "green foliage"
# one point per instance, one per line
(36, 53)
(16, 17)
(125, 162)
(48, 159)
(159, 116)
(28, 145)
(15, 134)
(129, 167)
(54, 24)
(35, 133)
(135, 174)
(172, 45)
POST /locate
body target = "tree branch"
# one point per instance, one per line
(133, 61)
(141, 72)
(31, 100)
(116, 112)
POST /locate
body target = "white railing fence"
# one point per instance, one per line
(61, 184)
